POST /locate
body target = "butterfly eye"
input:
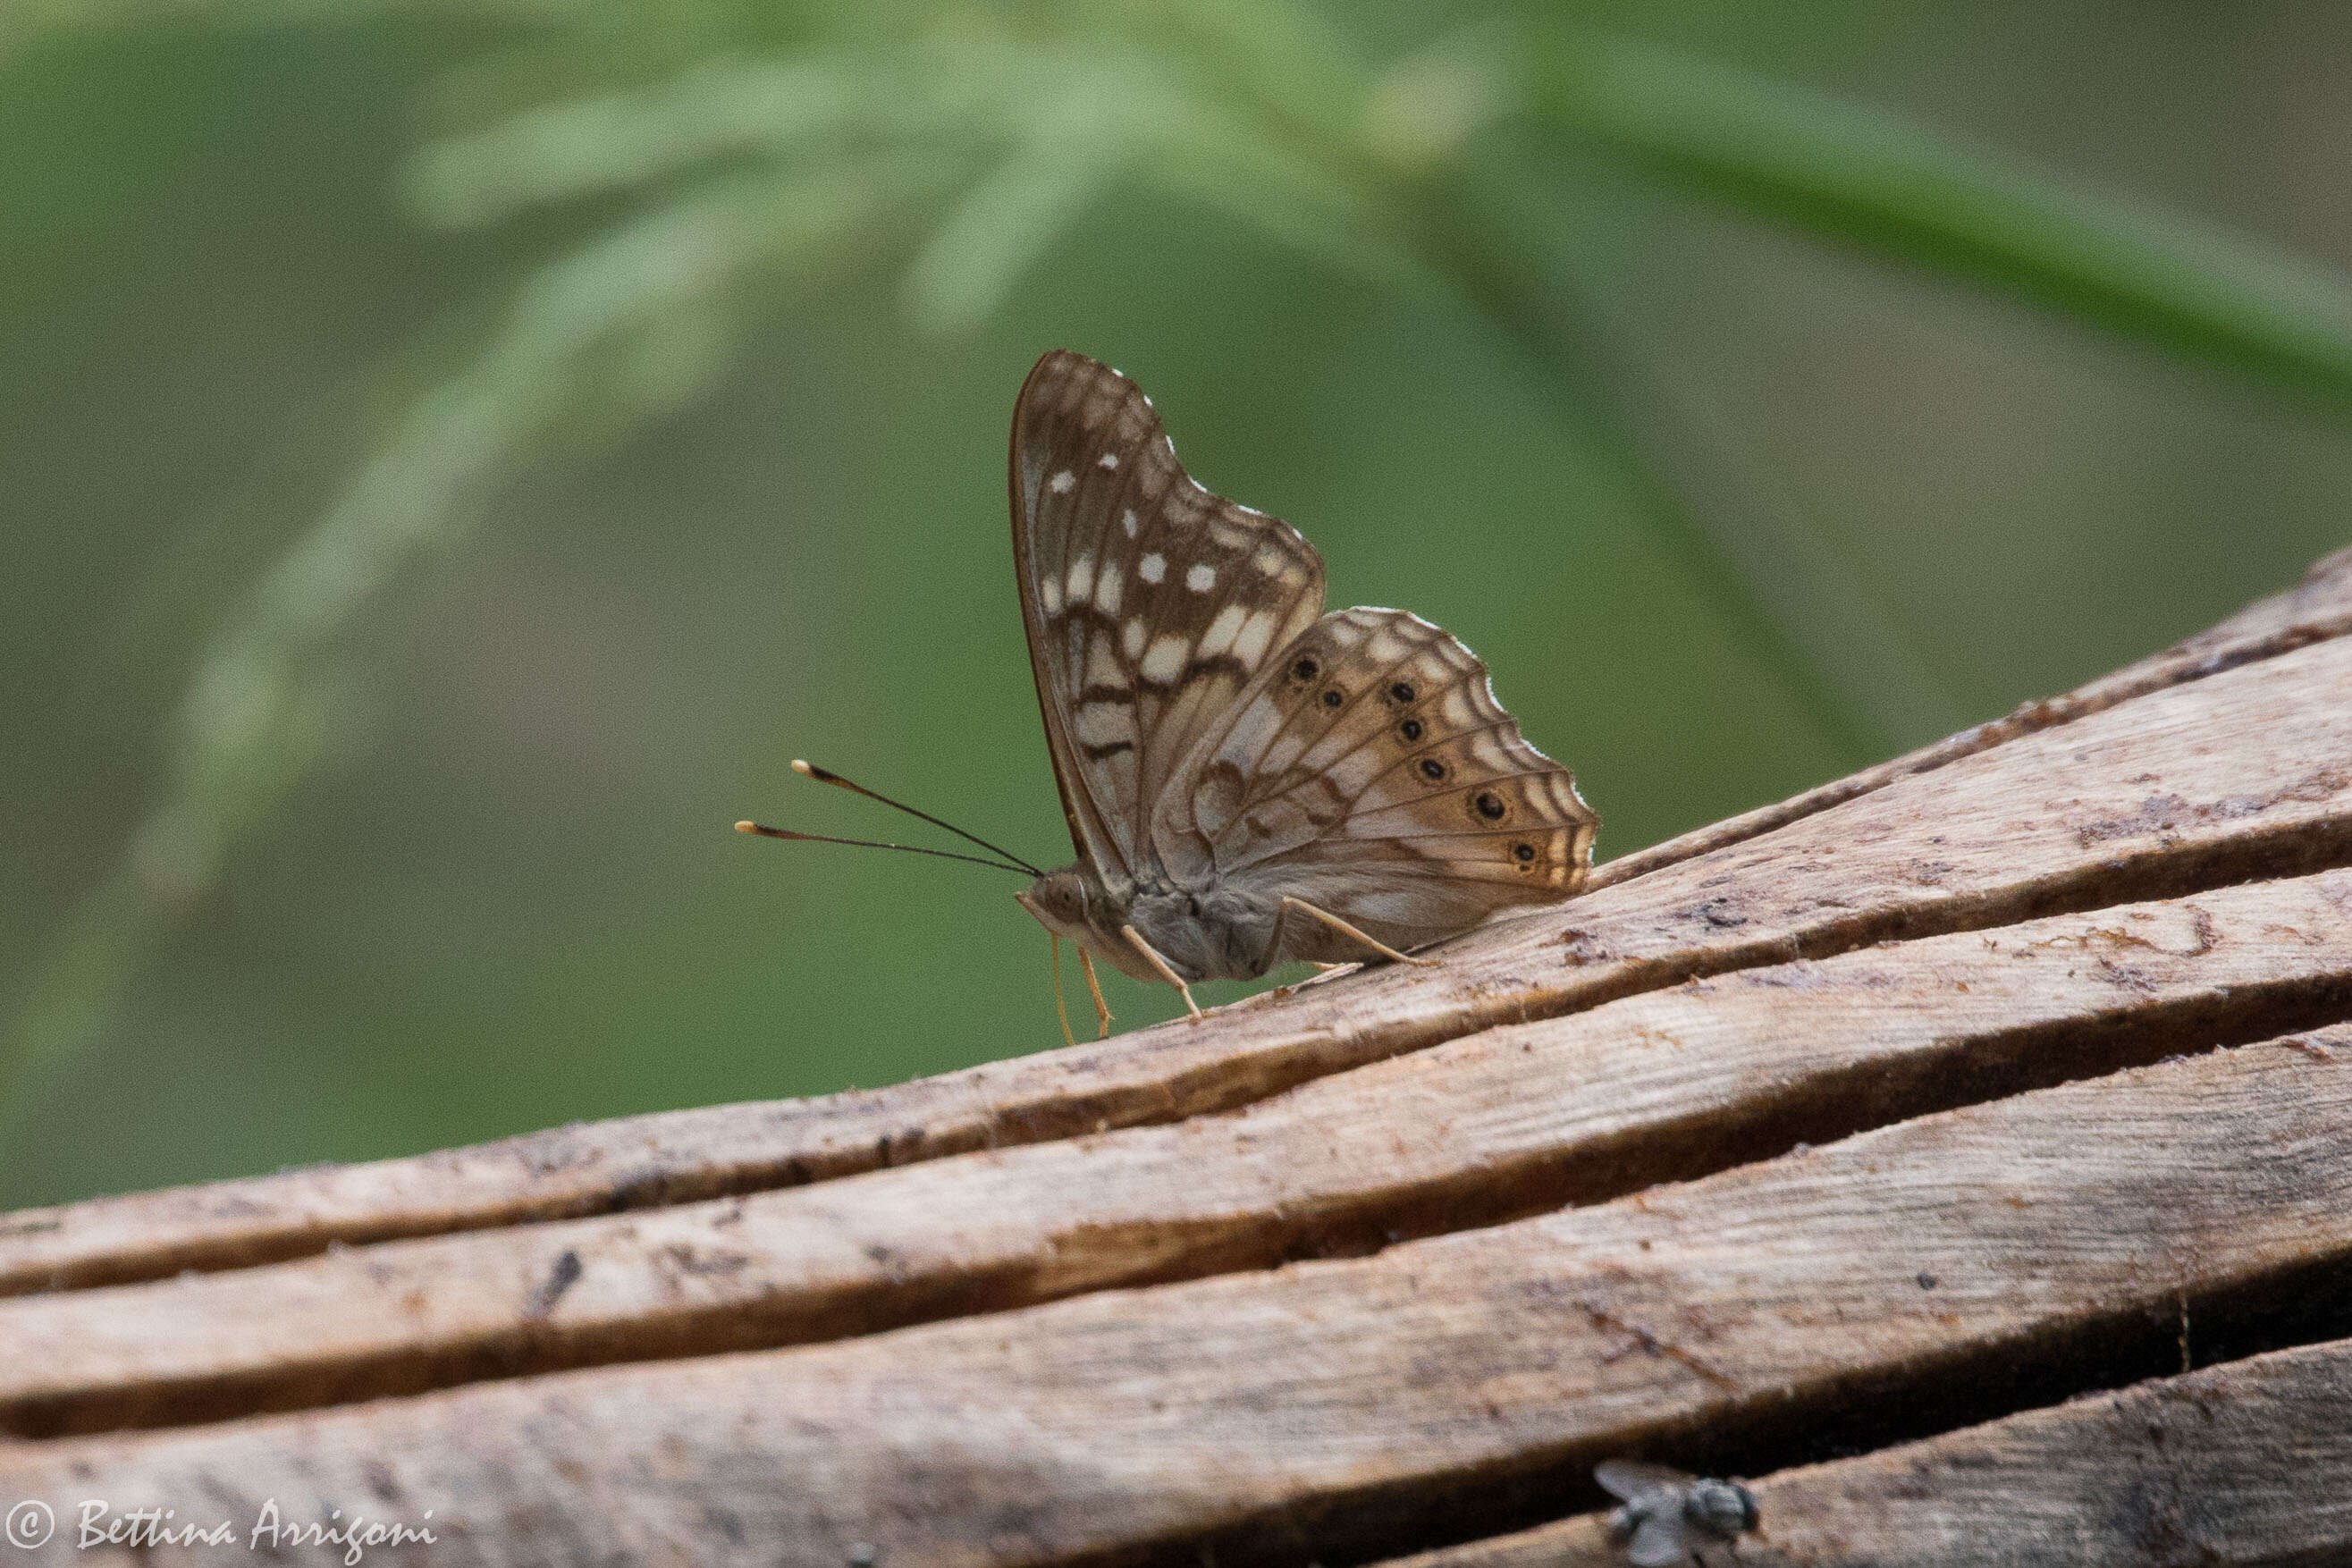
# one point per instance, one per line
(1490, 805)
(1402, 692)
(1410, 729)
(1305, 669)
(1334, 697)
(1523, 853)
(1432, 769)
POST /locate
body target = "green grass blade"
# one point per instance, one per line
(1889, 188)
(582, 344)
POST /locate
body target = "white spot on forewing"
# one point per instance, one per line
(1102, 667)
(1082, 579)
(1131, 637)
(1126, 521)
(1152, 567)
(1271, 561)
(1102, 723)
(1166, 659)
(1107, 589)
(1109, 459)
(1223, 631)
(1200, 578)
(1249, 646)
(1049, 593)
(1063, 483)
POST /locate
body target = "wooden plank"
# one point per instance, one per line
(2159, 793)
(1296, 1409)
(1515, 1120)
(2246, 1464)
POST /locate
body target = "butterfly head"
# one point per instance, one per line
(1071, 903)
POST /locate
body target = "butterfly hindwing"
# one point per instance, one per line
(1149, 603)
(1372, 772)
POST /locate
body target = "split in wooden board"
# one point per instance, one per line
(2169, 791)
(1341, 1403)
(1514, 1120)
(2232, 1466)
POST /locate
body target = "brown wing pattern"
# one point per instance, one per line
(1149, 603)
(1371, 771)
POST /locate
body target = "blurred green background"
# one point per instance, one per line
(453, 456)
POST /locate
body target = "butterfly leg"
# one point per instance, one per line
(1344, 929)
(1102, 1008)
(1060, 1009)
(1151, 956)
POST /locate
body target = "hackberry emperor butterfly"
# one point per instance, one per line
(1249, 780)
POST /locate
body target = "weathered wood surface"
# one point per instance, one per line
(2233, 1466)
(1513, 1121)
(1806, 884)
(1346, 1403)
(1928, 1099)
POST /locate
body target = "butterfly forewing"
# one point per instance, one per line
(1149, 603)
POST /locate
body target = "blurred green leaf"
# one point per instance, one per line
(594, 146)
(1002, 226)
(1843, 174)
(619, 327)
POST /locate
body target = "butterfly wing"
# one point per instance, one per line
(1369, 770)
(1149, 603)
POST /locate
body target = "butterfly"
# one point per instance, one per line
(1249, 780)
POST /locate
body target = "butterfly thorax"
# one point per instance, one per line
(1221, 932)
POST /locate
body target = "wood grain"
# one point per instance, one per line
(1840, 1145)
(1515, 1120)
(1274, 1414)
(2239, 1466)
(2231, 760)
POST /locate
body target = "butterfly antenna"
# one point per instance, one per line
(827, 776)
(764, 831)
